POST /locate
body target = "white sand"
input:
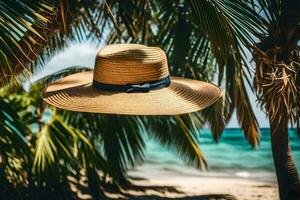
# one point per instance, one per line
(196, 185)
(241, 189)
(184, 183)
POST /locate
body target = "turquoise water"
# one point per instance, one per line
(231, 155)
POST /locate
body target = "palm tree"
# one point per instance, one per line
(277, 84)
(276, 78)
(200, 38)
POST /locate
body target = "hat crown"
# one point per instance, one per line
(121, 64)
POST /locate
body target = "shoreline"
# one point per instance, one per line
(154, 170)
(152, 182)
(199, 185)
(206, 188)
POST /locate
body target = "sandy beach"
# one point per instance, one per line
(163, 184)
(211, 188)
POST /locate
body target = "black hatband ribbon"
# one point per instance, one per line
(142, 87)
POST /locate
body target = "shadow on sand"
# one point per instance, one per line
(135, 192)
(197, 197)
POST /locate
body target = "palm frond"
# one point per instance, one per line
(32, 32)
(183, 131)
(63, 151)
(77, 21)
(53, 142)
(245, 114)
(15, 151)
(227, 23)
(124, 133)
(21, 33)
(11, 124)
(230, 25)
(187, 48)
(214, 116)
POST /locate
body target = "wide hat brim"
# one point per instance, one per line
(76, 93)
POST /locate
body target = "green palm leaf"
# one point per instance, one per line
(178, 133)
(15, 151)
(21, 28)
(230, 25)
(63, 151)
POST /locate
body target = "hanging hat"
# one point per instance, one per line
(130, 79)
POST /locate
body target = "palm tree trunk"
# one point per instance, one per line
(287, 176)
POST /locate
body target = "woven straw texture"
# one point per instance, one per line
(130, 63)
(123, 64)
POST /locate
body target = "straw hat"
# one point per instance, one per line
(130, 79)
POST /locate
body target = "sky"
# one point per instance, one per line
(84, 55)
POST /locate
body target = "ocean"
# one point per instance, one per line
(232, 156)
